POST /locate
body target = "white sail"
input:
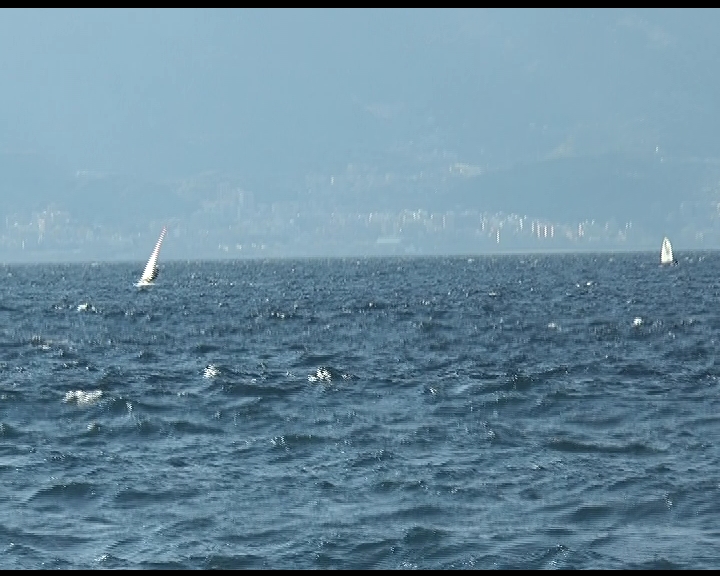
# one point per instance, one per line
(151, 269)
(666, 252)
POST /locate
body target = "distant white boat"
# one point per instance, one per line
(666, 253)
(151, 268)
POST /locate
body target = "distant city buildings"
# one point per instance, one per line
(332, 215)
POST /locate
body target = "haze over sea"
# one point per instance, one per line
(537, 411)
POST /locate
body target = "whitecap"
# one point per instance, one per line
(82, 397)
(210, 371)
(637, 321)
(321, 375)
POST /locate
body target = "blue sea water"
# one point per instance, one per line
(525, 412)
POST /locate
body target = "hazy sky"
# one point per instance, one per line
(172, 92)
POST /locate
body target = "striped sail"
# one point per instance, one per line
(151, 270)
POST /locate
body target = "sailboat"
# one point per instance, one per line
(151, 268)
(666, 252)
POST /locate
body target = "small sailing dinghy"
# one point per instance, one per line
(151, 268)
(666, 253)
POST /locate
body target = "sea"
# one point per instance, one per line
(538, 411)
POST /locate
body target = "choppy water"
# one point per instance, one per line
(489, 412)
